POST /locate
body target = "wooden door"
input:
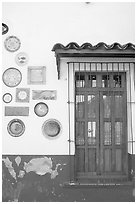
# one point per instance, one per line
(101, 142)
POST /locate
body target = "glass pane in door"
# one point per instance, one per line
(80, 80)
(80, 136)
(92, 80)
(107, 133)
(105, 81)
(118, 106)
(80, 106)
(118, 133)
(107, 106)
(91, 106)
(91, 133)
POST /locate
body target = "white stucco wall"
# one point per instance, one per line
(39, 26)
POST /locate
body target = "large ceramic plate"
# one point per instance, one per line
(41, 109)
(16, 127)
(51, 128)
(12, 43)
(12, 77)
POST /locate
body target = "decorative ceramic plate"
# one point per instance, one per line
(21, 59)
(12, 43)
(41, 109)
(7, 97)
(51, 128)
(22, 94)
(5, 28)
(12, 77)
(16, 127)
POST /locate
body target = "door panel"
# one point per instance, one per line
(100, 124)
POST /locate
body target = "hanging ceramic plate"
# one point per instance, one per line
(5, 28)
(51, 128)
(12, 43)
(12, 77)
(7, 97)
(16, 127)
(21, 59)
(41, 109)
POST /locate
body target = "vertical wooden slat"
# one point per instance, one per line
(80, 154)
(118, 160)
(92, 159)
(107, 160)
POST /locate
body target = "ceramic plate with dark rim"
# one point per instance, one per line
(16, 127)
(7, 97)
(51, 128)
(41, 109)
(12, 43)
(5, 28)
(12, 77)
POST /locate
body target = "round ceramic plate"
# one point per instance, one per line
(21, 59)
(51, 128)
(22, 95)
(16, 127)
(7, 97)
(12, 77)
(12, 43)
(5, 28)
(41, 109)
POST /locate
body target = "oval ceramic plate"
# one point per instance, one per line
(12, 77)
(21, 59)
(12, 43)
(51, 128)
(16, 127)
(41, 109)
(7, 97)
(5, 28)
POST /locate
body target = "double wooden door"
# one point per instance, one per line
(100, 125)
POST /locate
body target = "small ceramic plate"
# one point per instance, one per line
(21, 59)
(12, 43)
(51, 128)
(12, 77)
(41, 109)
(16, 127)
(7, 97)
(5, 28)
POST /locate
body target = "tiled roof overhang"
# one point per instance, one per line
(88, 50)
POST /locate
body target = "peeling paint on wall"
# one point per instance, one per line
(21, 174)
(18, 160)
(41, 166)
(8, 164)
